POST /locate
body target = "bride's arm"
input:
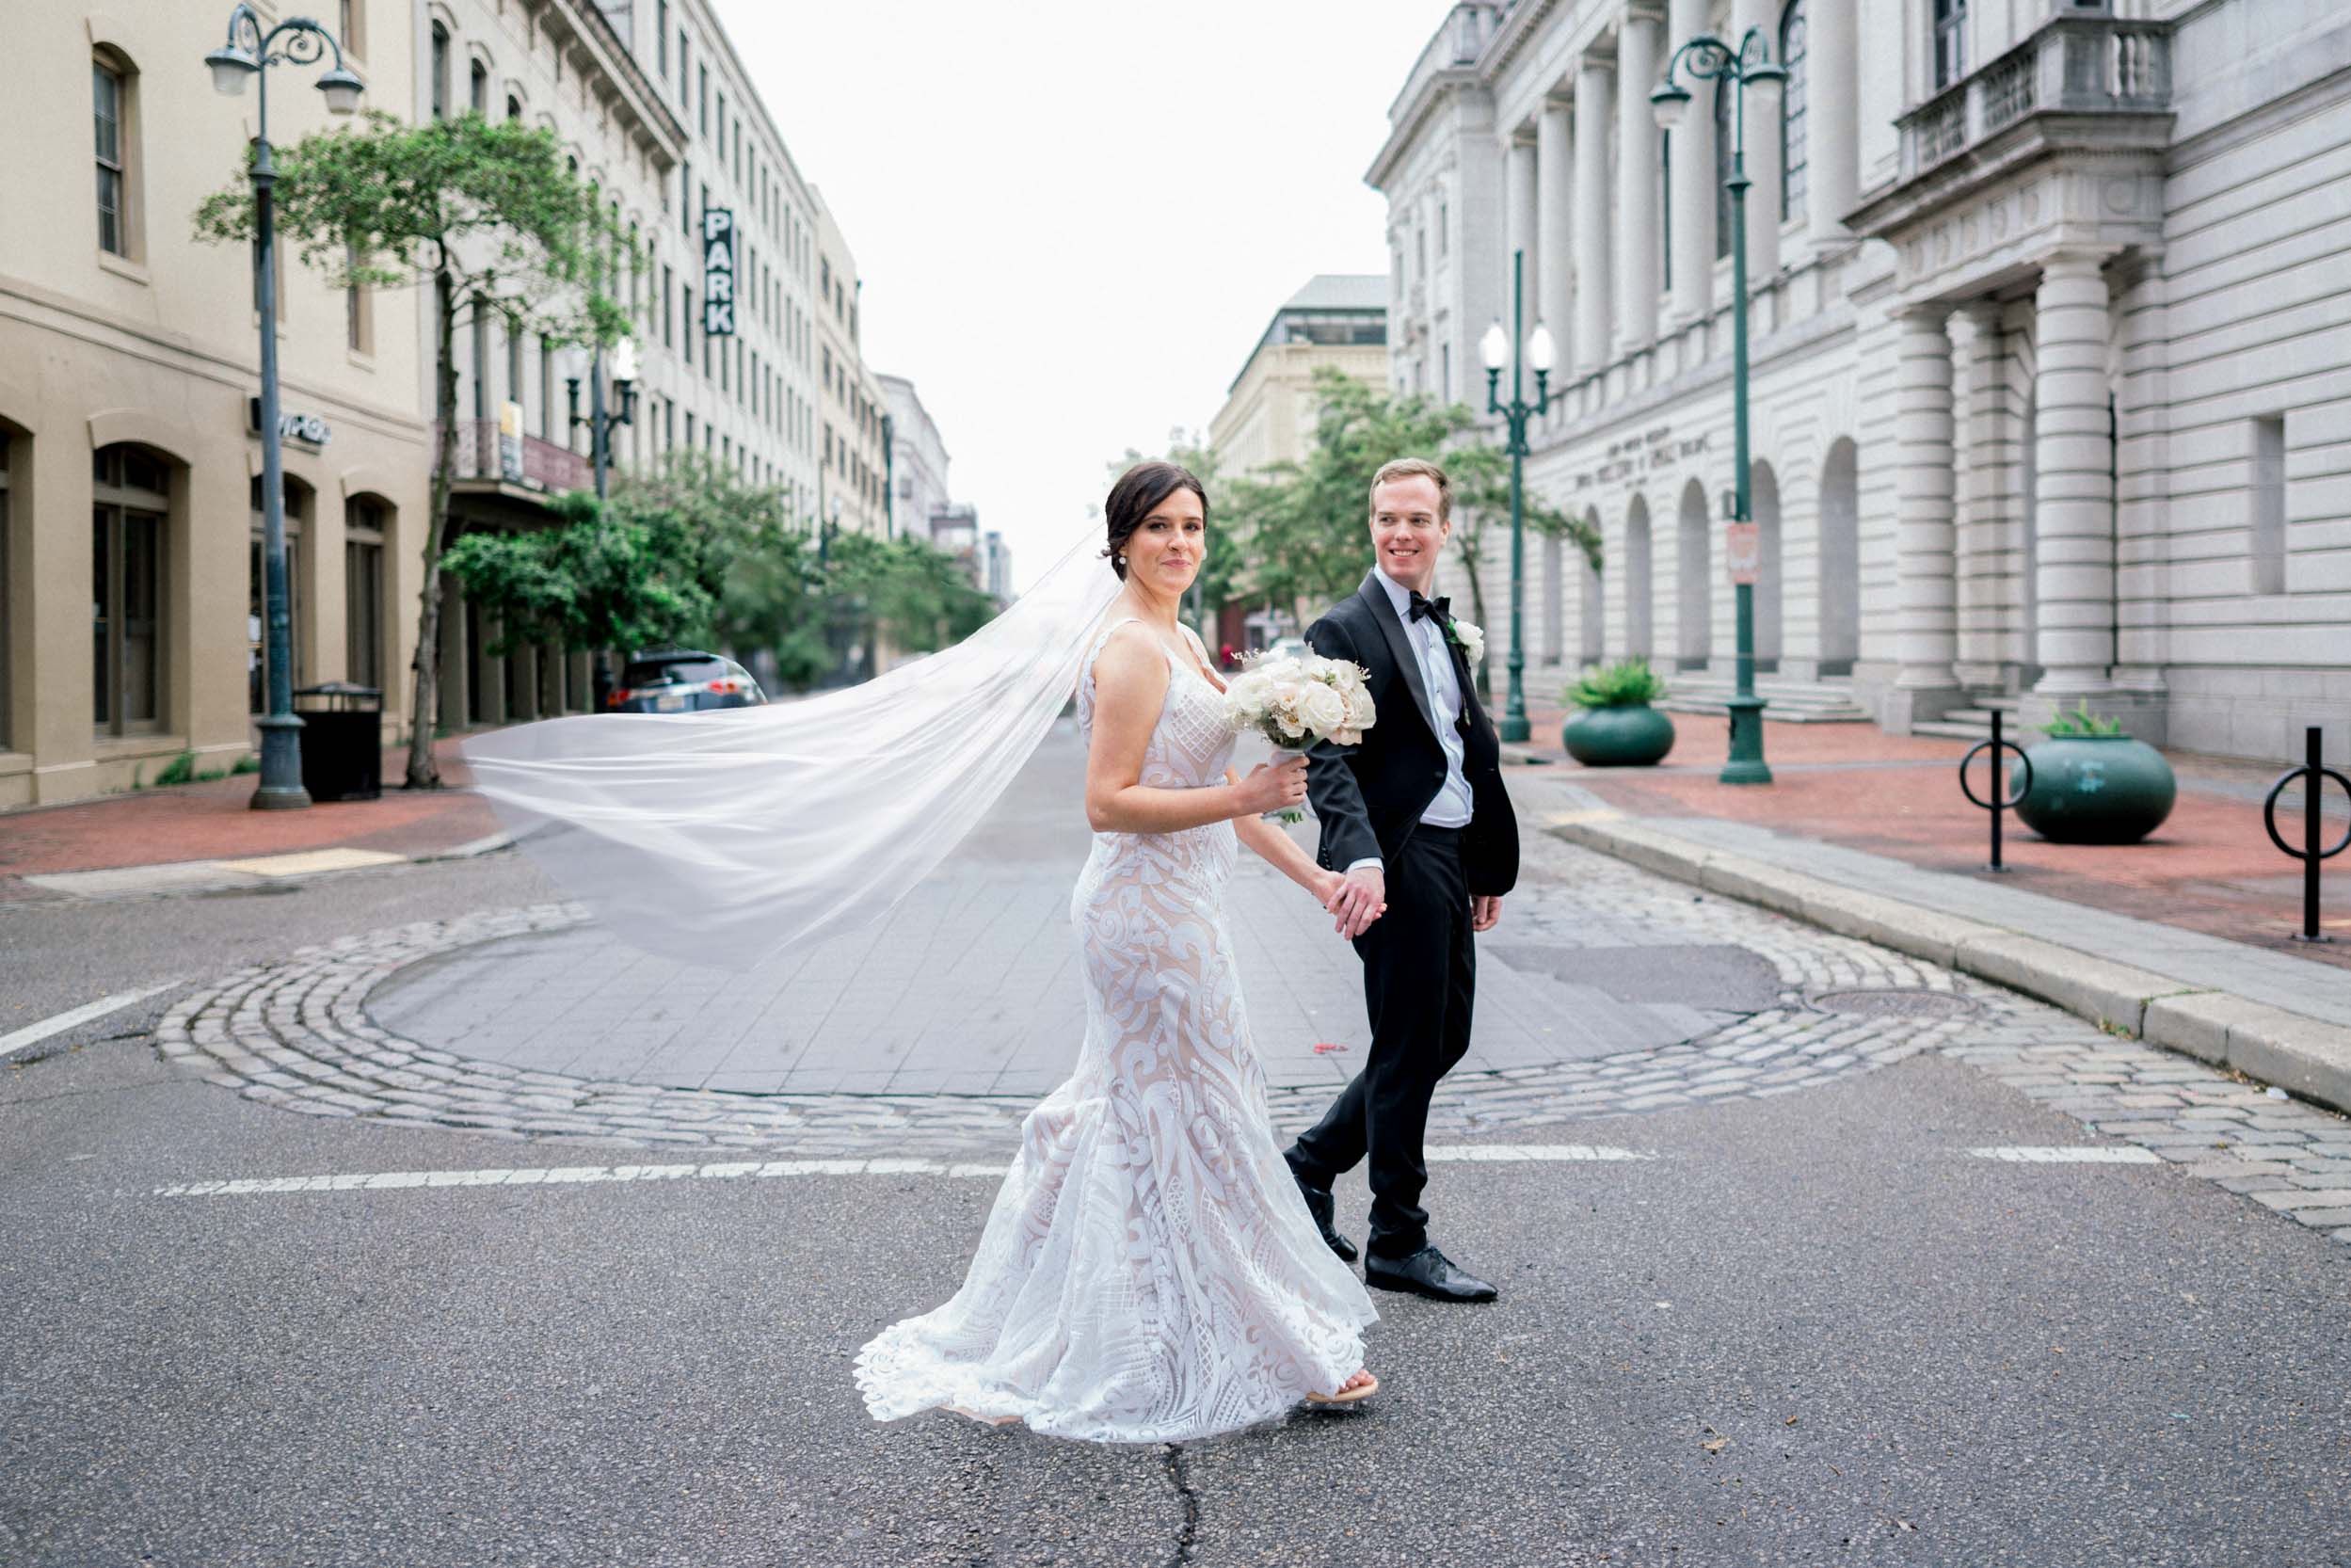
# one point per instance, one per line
(1130, 688)
(1280, 850)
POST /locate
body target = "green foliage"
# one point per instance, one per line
(179, 770)
(246, 764)
(1627, 683)
(913, 592)
(2080, 724)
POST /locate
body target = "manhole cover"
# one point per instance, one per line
(1893, 1001)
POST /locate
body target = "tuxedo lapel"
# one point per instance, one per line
(1383, 615)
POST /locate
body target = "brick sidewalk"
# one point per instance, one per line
(2209, 869)
(215, 822)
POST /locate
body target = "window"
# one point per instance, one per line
(722, 124)
(1950, 34)
(1444, 224)
(546, 388)
(2268, 553)
(669, 284)
(689, 430)
(685, 304)
(440, 71)
(256, 603)
(1794, 154)
(363, 616)
(669, 424)
(514, 358)
(109, 98)
(683, 72)
(514, 107)
(480, 360)
(685, 198)
(477, 88)
(1721, 171)
(661, 35)
(359, 311)
(129, 506)
(351, 28)
(702, 99)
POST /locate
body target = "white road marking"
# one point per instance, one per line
(34, 1033)
(573, 1175)
(2070, 1154)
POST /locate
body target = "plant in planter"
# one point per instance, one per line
(2092, 784)
(1613, 725)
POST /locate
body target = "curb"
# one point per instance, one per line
(204, 876)
(2307, 1057)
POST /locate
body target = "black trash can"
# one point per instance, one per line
(343, 741)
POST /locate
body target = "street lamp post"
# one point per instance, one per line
(1708, 58)
(1521, 350)
(599, 419)
(249, 53)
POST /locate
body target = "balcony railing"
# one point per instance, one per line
(2075, 65)
(525, 460)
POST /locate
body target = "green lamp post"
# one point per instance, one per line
(1708, 58)
(1521, 350)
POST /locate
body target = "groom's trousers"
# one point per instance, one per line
(1420, 976)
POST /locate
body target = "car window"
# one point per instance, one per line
(671, 672)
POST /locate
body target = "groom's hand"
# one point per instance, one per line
(1485, 911)
(1363, 894)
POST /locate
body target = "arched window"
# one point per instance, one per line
(110, 81)
(440, 71)
(1722, 107)
(1794, 154)
(366, 520)
(130, 499)
(477, 88)
(514, 107)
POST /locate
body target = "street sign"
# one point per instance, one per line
(1742, 550)
(718, 272)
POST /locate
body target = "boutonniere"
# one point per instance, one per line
(1470, 639)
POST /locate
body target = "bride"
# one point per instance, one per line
(1149, 1273)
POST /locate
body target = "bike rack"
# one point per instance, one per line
(1996, 805)
(2310, 853)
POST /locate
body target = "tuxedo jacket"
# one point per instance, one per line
(1369, 798)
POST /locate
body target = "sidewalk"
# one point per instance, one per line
(194, 836)
(2184, 940)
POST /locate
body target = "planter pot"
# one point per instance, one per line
(1632, 735)
(2097, 790)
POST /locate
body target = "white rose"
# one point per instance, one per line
(1289, 726)
(1322, 710)
(1472, 639)
(1360, 712)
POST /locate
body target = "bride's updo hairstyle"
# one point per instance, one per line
(1137, 495)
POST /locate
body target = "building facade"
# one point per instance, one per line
(1338, 320)
(916, 469)
(853, 456)
(130, 491)
(2051, 346)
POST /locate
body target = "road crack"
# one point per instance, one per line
(1179, 1477)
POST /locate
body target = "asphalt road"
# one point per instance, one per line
(1810, 1330)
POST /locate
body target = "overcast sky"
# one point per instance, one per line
(1074, 217)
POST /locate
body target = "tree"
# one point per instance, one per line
(1304, 522)
(912, 591)
(484, 213)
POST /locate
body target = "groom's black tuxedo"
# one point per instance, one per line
(1420, 965)
(1369, 798)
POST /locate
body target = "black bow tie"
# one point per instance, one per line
(1441, 607)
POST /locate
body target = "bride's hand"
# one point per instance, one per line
(1274, 787)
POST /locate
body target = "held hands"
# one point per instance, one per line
(1356, 900)
(1274, 787)
(1485, 911)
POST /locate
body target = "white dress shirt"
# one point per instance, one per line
(1454, 804)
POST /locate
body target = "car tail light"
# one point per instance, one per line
(620, 695)
(724, 687)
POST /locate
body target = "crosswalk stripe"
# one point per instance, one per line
(2070, 1154)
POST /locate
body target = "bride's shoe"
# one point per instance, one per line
(1361, 1391)
(983, 1420)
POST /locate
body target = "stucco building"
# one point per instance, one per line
(916, 469)
(2051, 335)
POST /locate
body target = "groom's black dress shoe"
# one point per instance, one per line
(1426, 1273)
(1324, 1209)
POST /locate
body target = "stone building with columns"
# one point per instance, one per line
(2050, 336)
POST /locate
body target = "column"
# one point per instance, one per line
(1595, 83)
(1983, 465)
(1521, 187)
(1925, 644)
(2142, 465)
(1830, 85)
(1761, 145)
(1638, 260)
(1692, 151)
(2073, 489)
(1554, 303)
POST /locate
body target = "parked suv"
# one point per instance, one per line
(681, 681)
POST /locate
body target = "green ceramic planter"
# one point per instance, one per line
(2097, 790)
(1631, 735)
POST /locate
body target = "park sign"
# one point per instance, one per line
(718, 272)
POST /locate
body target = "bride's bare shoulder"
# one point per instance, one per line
(1133, 657)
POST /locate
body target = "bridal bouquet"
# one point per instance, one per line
(1296, 699)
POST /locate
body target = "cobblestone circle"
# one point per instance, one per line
(295, 1033)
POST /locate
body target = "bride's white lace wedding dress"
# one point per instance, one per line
(1149, 1273)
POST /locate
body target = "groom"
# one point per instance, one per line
(1417, 819)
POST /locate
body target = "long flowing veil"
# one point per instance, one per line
(730, 836)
